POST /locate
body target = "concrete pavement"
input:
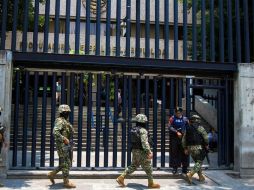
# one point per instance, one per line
(215, 179)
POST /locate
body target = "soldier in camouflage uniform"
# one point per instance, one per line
(141, 152)
(195, 141)
(63, 131)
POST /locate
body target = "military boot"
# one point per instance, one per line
(120, 181)
(201, 177)
(152, 185)
(51, 176)
(68, 184)
(189, 176)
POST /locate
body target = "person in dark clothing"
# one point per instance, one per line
(177, 124)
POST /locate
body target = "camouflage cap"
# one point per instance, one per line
(141, 118)
(64, 108)
(195, 118)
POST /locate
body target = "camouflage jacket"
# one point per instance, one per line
(202, 133)
(62, 129)
(144, 140)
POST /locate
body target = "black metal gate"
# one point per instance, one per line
(102, 139)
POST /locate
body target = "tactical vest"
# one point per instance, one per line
(136, 139)
(193, 137)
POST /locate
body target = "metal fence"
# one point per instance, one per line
(181, 30)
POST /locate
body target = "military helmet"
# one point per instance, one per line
(64, 108)
(141, 118)
(195, 118)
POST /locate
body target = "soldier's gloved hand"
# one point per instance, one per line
(66, 141)
(150, 156)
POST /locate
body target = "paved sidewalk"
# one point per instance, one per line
(216, 179)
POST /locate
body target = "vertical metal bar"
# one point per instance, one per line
(172, 96)
(246, 31)
(227, 131)
(67, 27)
(36, 19)
(115, 124)
(128, 28)
(137, 52)
(89, 118)
(63, 93)
(185, 30)
(219, 129)
(129, 119)
(56, 26)
(16, 119)
(124, 123)
(163, 116)
(203, 29)
(4, 24)
(87, 44)
(147, 30)
(238, 32)
(188, 98)
(155, 106)
(14, 26)
(44, 119)
(98, 121)
(53, 117)
(46, 27)
(252, 28)
(72, 96)
(98, 27)
(108, 27)
(80, 119)
(25, 119)
(106, 122)
(77, 27)
(180, 92)
(138, 95)
(147, 101)
(34, 127)
(118, 27)
(166, 29)
(176, 29)
(157, 28)
(212, 41)
(221, 31)
(25, 26)
(194, 30)
(230, 31)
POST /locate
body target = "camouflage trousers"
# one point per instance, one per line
(139, 157)
(64, 162)
(197, 155)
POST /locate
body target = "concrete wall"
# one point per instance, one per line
(206, 110)
(123, 10)
(5, 103)
(244, 120)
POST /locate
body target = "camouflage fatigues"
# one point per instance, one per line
(139, 156)
(63, 129)
(196, 151)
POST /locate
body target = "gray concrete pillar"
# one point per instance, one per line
(244, 120)
(5, 103)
